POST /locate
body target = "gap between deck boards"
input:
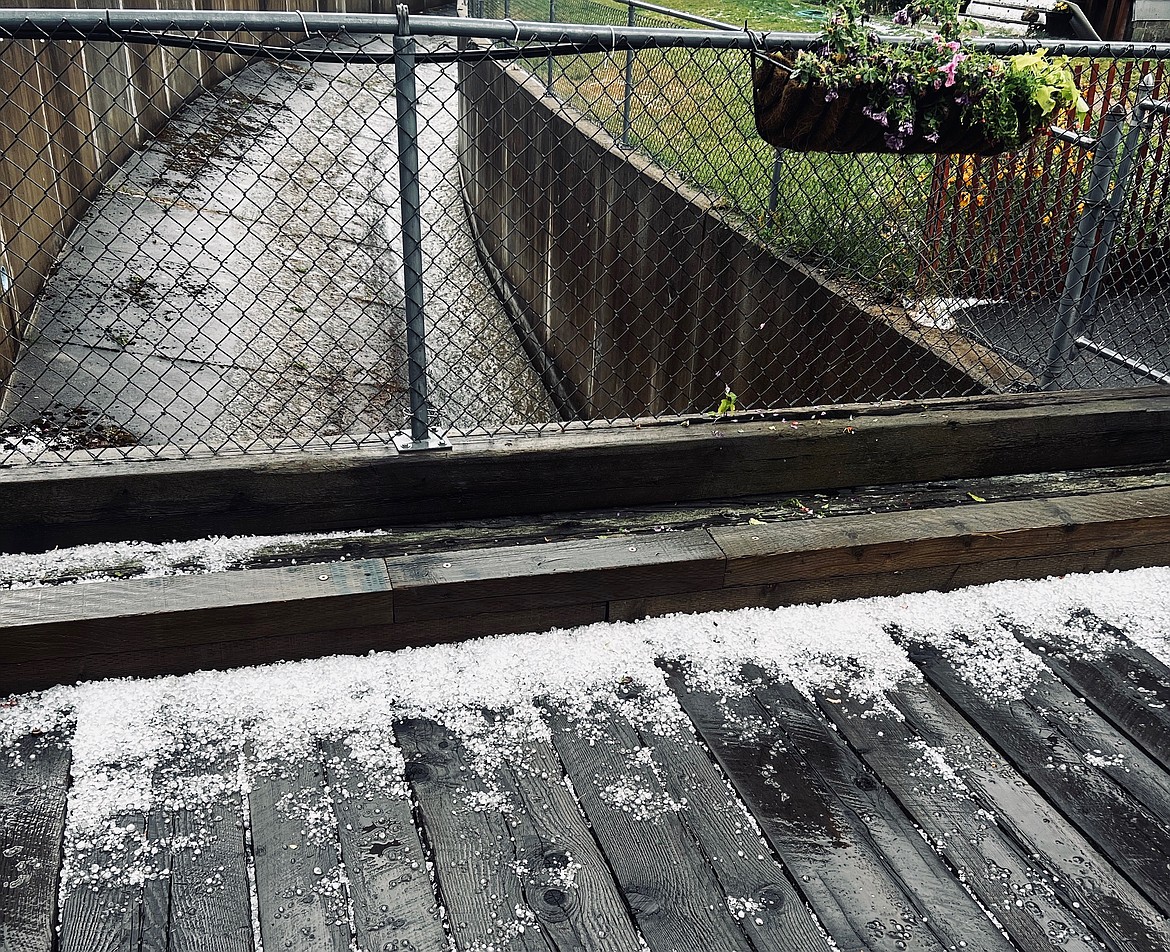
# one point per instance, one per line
(145, 627)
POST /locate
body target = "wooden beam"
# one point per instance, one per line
(516, 578)
(140, 627)
(180, 612)
(670, 461)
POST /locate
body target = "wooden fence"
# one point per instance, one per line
(1002, 227)
(648, 301)
(70, 114)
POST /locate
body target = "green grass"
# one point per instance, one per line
(691, 111)
(790, 16)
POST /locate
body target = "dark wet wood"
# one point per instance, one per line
(1006, 875)
(1122, 681)
(33, 777)
(568, 882)
(675, 461)
(301, 904)
(210, 909)
(859, 860)
(394, 904)
(1123, 919)
(474, 848)
(767, 907)
(666, 876)
(1102, 749)
(648, 832)
(1042, 733)
(120, 916)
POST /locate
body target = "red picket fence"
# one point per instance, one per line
(1002, 227)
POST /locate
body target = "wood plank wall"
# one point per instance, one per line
(648, 300)
(70, 114)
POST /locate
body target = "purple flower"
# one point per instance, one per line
(875, 115)
(902, 17)
(906, 126)
(931, 136)
(831, 95)
(895, 142)
(898, 86)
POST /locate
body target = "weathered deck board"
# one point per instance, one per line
(394, 905)
(861, 864)
(1052, 755)
(1000, 870)
(120, 916)
(496, 867)
(568, 882)
(301, 904)
(473, 849)
(210, 909)
(666, 876)
(1108, 902)
(768, 908)
(33, 779)
(1125, 683)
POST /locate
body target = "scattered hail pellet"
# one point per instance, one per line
(193, 747)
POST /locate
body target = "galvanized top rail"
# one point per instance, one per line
(122, 24)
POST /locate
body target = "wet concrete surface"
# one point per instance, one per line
(238, 284)
(1133, 324)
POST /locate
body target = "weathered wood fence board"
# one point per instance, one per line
(648, 299)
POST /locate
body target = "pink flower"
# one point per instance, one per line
(949, 69)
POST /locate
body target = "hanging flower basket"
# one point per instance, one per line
(853, 92)
(810, 117)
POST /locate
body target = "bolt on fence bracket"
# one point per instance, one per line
(405, 443)
(406, 102)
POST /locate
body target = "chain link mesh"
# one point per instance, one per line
(201, 243)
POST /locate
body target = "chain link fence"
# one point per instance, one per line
(231, 233)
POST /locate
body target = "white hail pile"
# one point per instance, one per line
(187, 743)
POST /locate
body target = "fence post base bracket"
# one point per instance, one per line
(405, 443)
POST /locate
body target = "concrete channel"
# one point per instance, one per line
(239, 283)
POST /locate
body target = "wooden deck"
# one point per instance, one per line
(1052, 832)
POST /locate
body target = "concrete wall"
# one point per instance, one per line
(70, 113)
(1151, 21)
(649, 300)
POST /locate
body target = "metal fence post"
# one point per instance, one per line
(1129, 150)
(1067, 327)
(777, 169)
(406, 103)
(552, 18)
(627, 93)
